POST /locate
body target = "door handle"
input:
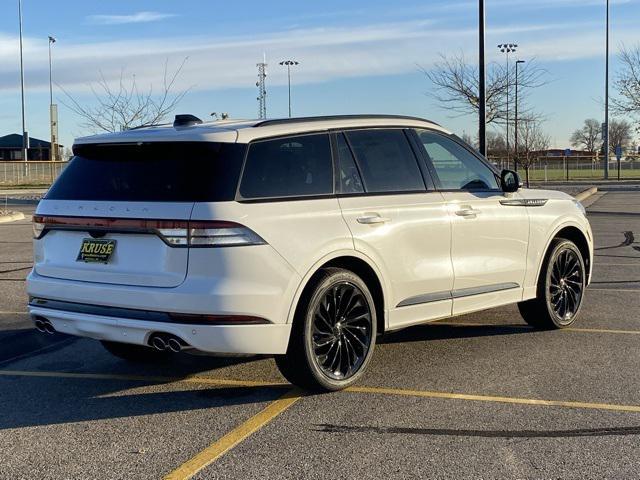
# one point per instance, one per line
(467, 212)
(372, 219)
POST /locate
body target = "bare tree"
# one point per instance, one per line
(531, 140)
(496, 144)
(456, 87)
(588, 137)
(628, 84)
(125, 106)
(620, 133)
(468, 139)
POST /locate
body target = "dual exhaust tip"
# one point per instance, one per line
(160, 341)
(167, 342)
(43, 325)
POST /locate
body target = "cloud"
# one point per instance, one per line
(139, 17)
(325, 53)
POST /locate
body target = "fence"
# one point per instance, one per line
(549, 169)
(31, 173)
(542, 169)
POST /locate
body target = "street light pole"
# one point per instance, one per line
(482, 93)
(25, 135)
(508, 48)
(605, 130)
(515, 120)
(289, 63)
(53, 154)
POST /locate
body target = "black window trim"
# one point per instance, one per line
(240, 199)
(463, 144)
(336, 176)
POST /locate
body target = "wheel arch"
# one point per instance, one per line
(576, 235)
(360, 265)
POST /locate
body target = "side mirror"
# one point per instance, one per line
(510, 181)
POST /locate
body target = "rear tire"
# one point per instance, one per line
(333, 334)
(561, 286)
(134, 353)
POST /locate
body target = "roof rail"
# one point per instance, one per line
(284, 121)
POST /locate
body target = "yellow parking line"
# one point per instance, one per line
(600, 330)
(526, 327)
(488, 398)
(234, 437)
(219, 382)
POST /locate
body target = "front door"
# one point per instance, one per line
(489, 238)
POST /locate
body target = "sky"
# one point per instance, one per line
(355, 56)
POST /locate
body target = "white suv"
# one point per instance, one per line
(300, 238)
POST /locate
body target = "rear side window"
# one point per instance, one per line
(151, 172)
(386, 161)
(348, 176)
(288, 167)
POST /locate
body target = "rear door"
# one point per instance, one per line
(489, 238)
(397, 221)
(137, 197)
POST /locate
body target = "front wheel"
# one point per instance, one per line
(333, 334)
(560, 288)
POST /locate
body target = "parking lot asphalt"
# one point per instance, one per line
(477, 396)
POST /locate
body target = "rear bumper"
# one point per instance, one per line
(270, 339)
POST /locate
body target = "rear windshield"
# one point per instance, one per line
(151, 172)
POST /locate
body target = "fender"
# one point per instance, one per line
(327, 258)
(563, 223)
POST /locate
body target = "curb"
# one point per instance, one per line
(583, 195)
(11, 217)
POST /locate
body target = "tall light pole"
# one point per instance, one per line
(605, 129)
(482, 93)
(289, 64)
(25, 135)
(515, 120)
(53, 113)
(508, 48)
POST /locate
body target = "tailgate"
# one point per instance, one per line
(139, 257)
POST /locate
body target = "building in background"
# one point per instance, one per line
(11, 148)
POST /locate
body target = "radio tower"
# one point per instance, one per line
(262, 89)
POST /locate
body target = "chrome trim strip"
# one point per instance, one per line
(498, 287)
(459, 293)
(426, 298)
(525, 202)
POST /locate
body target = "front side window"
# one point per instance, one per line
(288, 167)
(456, 167)
(386, 161)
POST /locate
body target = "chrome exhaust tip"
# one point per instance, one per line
(49, 328)
(158, 343)
(174, 345)
(39, 325)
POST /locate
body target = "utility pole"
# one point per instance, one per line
(289, 64)
(605, 130)
(25, 134)
(262, 88)
(515, 133)
(508, 48)
(482, 94)
(53, 111)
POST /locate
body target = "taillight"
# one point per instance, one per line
(175, 233)
(221, 234)
(38, 226)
